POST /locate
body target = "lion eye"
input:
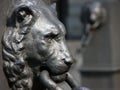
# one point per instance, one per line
(52, 36)
(24, 15)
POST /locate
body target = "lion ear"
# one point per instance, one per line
(23, 15)
(53, 5)
(54, 1)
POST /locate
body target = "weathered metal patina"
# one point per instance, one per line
(34, 47)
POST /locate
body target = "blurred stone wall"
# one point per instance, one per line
(4, 4)
(100, 60)
(73, 19)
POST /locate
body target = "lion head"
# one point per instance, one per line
(33, 41)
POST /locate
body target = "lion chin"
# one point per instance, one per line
(59, 78)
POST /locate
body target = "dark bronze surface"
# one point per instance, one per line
(34, 50)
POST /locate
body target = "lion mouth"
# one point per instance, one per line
(57, 67)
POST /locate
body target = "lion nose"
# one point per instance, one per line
(68, 61)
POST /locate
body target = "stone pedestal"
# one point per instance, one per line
(101, 60)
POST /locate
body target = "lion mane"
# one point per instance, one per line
(17, 70)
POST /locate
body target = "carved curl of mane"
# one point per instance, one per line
(18, 72)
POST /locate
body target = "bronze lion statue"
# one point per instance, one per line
(33, 46)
